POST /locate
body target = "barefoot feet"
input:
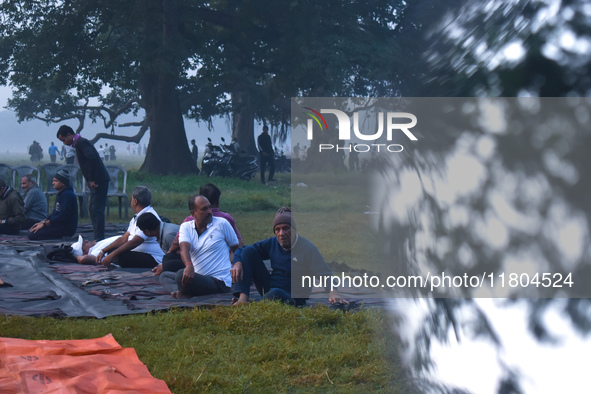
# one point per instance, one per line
(178, 295)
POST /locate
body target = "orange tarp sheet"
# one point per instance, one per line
(73, 366)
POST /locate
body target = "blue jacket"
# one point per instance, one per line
(65, 212)
(303, 259)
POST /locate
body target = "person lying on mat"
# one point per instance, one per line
(86, 251)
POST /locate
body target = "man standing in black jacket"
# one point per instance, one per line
(96, 176)
(267, 154)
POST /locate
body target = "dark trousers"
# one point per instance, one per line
(199, 285)
(133, 259)
(172, 262)
(50, 232)
(269, 158)
(96, 208)
(6, 229)
(255, 271)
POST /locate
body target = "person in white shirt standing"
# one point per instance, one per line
(101, 153)
(134, 249)
(205, 243)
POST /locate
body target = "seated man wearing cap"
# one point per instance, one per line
(63, 221)
(286, 250)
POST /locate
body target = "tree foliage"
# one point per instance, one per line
(200, 59)
(264, 53)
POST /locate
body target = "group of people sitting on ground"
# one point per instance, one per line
(30, 212)
(204, 255)
(207, 254)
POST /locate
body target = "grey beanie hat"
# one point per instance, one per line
(63, 176)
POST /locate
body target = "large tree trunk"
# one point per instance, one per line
(243, 121)
(168, 151)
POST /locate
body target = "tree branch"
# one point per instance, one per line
(134, 138)
(113, 114)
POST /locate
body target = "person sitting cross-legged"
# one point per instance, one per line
(206, 244)
(35, 201)
(63, 221)
(287, 251)
(172, 259)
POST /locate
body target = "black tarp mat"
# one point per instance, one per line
(65, 289)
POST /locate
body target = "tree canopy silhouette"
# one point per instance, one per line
(78, 60)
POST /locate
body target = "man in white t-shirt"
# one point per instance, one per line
(134, 249)
(86, 251)
(205, 243)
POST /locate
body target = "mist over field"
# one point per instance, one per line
(16, 137)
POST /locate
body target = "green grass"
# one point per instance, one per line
(266, 346)
(332, 211)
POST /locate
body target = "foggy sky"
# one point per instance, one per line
(17, 137)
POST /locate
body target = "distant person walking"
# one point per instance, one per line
(107, 152)
(36, 152)
(112, 151)
(266, 154)
(53, 150)
(96, 176)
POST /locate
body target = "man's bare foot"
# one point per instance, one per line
(178, 295)
(240, 301)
